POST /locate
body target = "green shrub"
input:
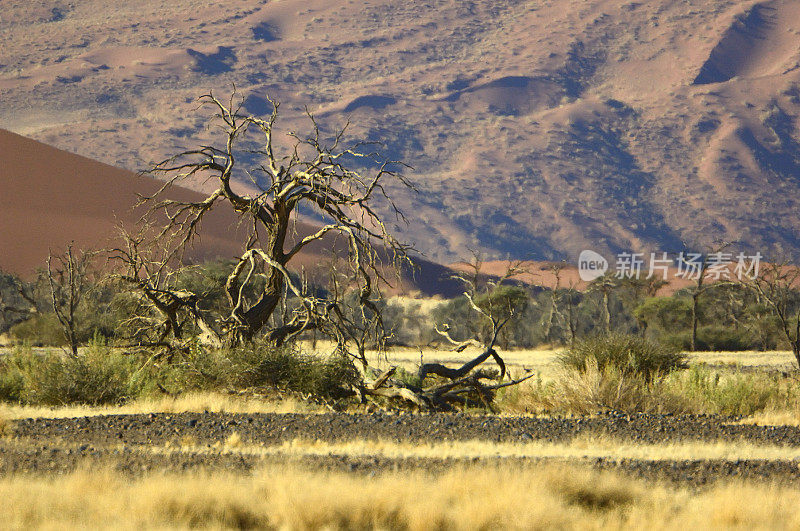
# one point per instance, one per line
(711, 338)
(260, 365)
(678, 340)
(40, 330)
(411, 378)
(99, 375)
(12, 382)
(630, 355)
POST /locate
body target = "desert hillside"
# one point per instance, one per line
(536, 128)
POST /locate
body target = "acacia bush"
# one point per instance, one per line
(105, 375)
(631, 355)
(263, 365)
(99, 375)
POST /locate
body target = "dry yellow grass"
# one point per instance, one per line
(191, 402)
(286, 497)
(581, 448)
(545, 360)
(5, 425)
(748, 358)
(773, 418)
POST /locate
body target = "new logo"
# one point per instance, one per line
(591, 265)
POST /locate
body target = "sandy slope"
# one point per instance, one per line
(51, 198)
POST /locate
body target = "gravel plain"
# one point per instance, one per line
(185, 441)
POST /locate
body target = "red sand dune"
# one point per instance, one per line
(51, 198)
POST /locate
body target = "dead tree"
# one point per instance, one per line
(312, 176)
(163, 311)
(267, 297)
(499, 296)
(68, 277)
(442, 387)
(777, 288)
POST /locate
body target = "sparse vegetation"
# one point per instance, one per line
(618, 370)
(697, 390)
(101, 375)
(630, 355)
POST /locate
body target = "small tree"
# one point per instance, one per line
(68, 277)
(605, 286)
(777, 289)
(665, 314)
(701, 285)
(553, 313)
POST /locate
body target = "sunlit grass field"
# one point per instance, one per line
(464, 497)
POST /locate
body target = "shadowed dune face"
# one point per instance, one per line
(761, 41)
(223, 60)
(535, 130)
(511, 95)
(373, 102)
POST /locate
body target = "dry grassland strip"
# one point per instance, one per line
(205, 402)
(581, 448)
(462, 497)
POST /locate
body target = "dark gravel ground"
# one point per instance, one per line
(133, 461)
(268, 429)
(125, 442)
